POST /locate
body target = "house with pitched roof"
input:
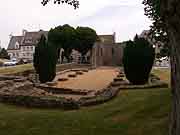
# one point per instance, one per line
(23, 47)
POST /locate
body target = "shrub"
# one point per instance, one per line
(138, 60)
(45, 60)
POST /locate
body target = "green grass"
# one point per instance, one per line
(15, 69)
(131, 113)
(3, 60)
(164, 74)
(134, 112)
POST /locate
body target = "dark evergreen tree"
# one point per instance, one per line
(45, 60)
(4, 54)
(138, 60)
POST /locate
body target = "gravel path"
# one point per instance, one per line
(93, 80)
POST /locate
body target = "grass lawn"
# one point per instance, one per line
(15, 69)
(3, 60)
(130, 113)
(163, 73)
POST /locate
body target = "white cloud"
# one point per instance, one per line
(123, 16)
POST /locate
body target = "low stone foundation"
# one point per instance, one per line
(18, 90)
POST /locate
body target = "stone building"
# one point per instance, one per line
(107, 52)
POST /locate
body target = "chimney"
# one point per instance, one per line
(10, 36)
(24, 32)
(114, 34)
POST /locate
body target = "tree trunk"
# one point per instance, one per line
(171, 14)
(175, 84)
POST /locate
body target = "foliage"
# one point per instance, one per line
(45, 60)
(63, 37)
(74, 3)
(82, 39)
(4, 54)
(158, 31)
(16, 69)
(86, 38)
(138, 60)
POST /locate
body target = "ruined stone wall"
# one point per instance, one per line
(107, 55)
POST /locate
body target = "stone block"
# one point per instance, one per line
(62, 79)
(72, 75)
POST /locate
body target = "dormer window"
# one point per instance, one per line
(17, 45)
(28, 40)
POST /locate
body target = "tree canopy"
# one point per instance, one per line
(86, 37)
(74, 3)
(158, 31)
(63, 37)
(81, 39)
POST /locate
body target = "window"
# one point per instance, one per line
(112, 51)
(102, 40)
(101, 52)
(31, 48)
(17, 54)
(28, 41)
(27, 47)
(17, 46)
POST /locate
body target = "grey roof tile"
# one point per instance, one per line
(13, 41)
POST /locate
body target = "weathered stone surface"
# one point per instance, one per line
(85, 70)
(79, 73)
(118, 79)
(72, 75)
(51, 83)
(62, 79)
(121, 75)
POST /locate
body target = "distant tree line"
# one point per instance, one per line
(4, 54)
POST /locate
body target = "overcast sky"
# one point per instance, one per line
(125, 17)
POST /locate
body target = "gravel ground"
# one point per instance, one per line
(93, 80)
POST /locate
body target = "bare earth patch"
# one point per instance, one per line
(96, 79)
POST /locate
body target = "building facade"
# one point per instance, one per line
(107, 52)
(23, 47)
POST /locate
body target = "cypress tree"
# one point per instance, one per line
(45, 60)
(138, 60)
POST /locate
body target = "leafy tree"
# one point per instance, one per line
(158, 32)
(4, 54)
(45, 60)
(168, 13)
(86, 37)
(74, 3)
(138, 60)
(63, 37)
